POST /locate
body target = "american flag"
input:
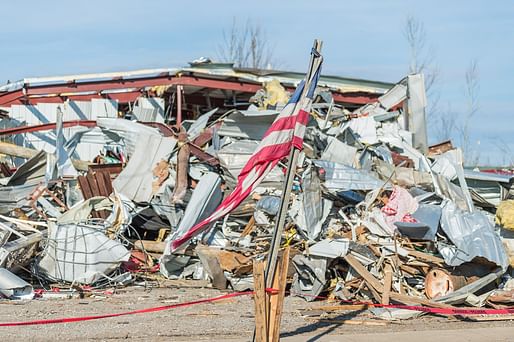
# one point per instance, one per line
(285, 132)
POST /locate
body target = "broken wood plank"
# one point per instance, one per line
(150, 246)
(406, 299)
(364, 273)
(182, 168)
(260, 299)
(279, 297)
(349, 322)
(410, 270)
(388, 279)
(347, 307)
(425, 256)
(248, 228)
(84, 187)
(27, 153)
(490, 318)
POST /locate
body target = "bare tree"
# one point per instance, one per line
(246, 46)
(447, 125)
(472, 87)
(422, 61)
(506, 152)
(421, 56)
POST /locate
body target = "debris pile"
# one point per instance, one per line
(375, 213)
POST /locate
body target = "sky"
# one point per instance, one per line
(361, 39)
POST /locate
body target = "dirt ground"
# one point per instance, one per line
(229, 319)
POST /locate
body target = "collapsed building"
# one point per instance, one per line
(101, 172)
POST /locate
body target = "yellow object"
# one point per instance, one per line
(290, 234)
(275, 94)
(160, 90)
(505, 214)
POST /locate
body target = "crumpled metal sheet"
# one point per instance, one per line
(473, 236)
(86, 143)
(339, 152)
(417, 102)
(235, 155)
(365, 129)
(149, 109)
(81, 211)
(199, 125)
(203, 202)
(64, 166)
(310, 276)
(135, 181)
(80, 252)
(342, 177)
(131, 132)
(250, 125)
(330, 248)
(13, 287)
(310, 210)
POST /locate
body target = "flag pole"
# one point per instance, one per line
(271, 264)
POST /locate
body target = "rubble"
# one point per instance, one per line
(375, 213)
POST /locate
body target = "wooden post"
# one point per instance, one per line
(182, 167)
(269, 305)
(260, 299)
(277, 299)
(388, 279)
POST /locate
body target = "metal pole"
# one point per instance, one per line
(179, 105)
(271, 264)
(281, 219)
(286, 192)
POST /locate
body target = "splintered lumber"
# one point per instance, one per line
(277, 300)
(150, 246)
(182, 168)
(349, 322)
(425, 257)
(248, 229)
(364, 273)
(27, 153)
(490, 318)
(388, 279)
(347, 307)
(406, 299)
(261, 320)
(378, 287)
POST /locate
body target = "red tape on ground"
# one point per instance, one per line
(159, 308)
(441, 311)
